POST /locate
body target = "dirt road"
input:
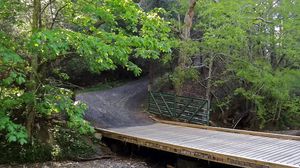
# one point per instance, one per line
(117, 107)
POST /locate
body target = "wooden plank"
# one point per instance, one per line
(297, 163)
(233, 146)
(198, 153)
(247, 150)
(254, 148)
(265, 150)
(278, 148)
(262, 134)
(288, 158)
(281, 154)
(166, 131)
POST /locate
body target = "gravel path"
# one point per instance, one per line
(118, 162)
(117, 107)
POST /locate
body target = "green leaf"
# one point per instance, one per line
(12, 138)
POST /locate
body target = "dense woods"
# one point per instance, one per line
(243, 56)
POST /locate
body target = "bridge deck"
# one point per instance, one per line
(224, 147)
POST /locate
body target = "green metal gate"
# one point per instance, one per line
(187, 109)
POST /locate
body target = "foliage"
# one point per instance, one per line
(292, 113)
(70, 145)
(271, 92)
(104, 34)
(255, 49)
(254, 42)
(67, 144)
(12, 97)
(179, 76)
(14, 153)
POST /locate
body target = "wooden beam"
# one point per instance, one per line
(161, 96)
(254, 133)
(196, 111)
(155, 102)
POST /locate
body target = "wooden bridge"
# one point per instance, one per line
(116, 114)
(232, 147)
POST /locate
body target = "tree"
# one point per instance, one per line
(183, 71)
(104, 33)
(246, 56)
(249, 39)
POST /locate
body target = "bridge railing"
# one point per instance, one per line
(186, 109)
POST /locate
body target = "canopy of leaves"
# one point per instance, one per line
(105, 34)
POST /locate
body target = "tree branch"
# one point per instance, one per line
(56, 15)
(264, 20)
(45, 7)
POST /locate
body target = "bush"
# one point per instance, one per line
(66, 145)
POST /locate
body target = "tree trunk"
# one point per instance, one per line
(31, 109)
(186, 31)
(36, 16)
(151, 75)
(209, 80)
(188, 20)
(185, 35)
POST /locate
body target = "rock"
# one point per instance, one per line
(98, 136)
